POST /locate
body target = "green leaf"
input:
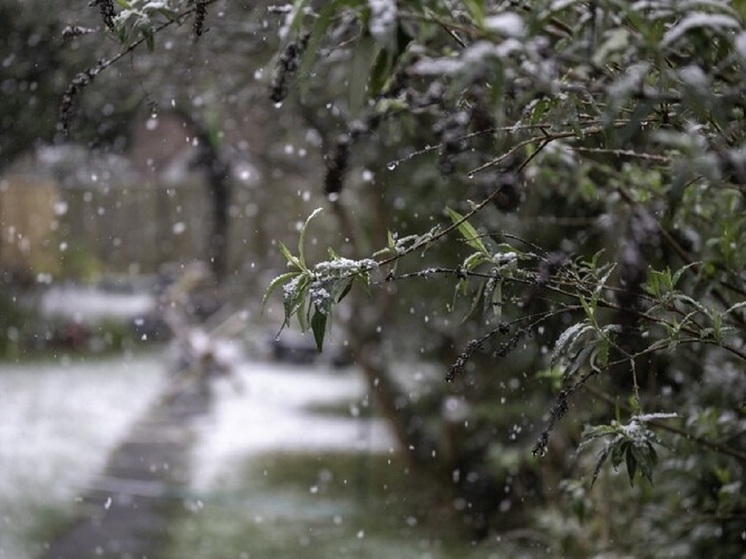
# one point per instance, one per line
(381, 72)
(733, 308)
(677, 275)
(149, 39)
(568, 338)
(581, 357)
(467, 231)
(496, 300)
(619, 448)
(319, 29)
(474, 260)
(634, 401)
(318, 325)
(345, 291)
(302, 237)
(475, 299)
(616, 41)
(720, 23)
(631, 464)
(594, 432)
(275, 283)
(602, 456)
(644, 459)
(476, 11)
(363, 59)
(600, 357)
(600, 286)
(385, 63)
(295, 299)
(588, 307)
(300, 315)
(293, 260)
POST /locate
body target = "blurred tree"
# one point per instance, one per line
(575, 172)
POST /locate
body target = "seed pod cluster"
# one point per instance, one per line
(76, 31)
(77, 84)
(106, 9)
(200, 13)
(452, 130)
(286, 67)
(508, 197)
(336, 164)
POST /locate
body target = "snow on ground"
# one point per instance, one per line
(91, 304)
(269, 413)
(58, 420)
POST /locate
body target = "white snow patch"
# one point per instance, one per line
(507, 24)
(269, 415)
(720, 22)
(740, 46)
(88, 304)
(382, 19)
(654, 416)
(58, 422)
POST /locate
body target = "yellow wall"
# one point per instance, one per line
(27, 225)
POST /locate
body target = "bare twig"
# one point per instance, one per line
(624, 153)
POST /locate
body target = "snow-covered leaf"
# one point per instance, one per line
(507, 24)
(699, 20)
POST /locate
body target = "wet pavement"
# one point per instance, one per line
(125, 513)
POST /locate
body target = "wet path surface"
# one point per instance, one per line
(127, 510)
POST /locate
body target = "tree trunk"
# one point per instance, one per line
(216, 170)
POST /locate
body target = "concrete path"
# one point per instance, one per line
(126, 512)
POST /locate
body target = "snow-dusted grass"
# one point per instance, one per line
(58, 420)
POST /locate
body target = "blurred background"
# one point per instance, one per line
(140, 245)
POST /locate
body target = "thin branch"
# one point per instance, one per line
(392, 164)
(546, 138)
(454, 226)
(624, 153)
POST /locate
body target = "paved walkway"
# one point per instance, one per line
(127, 511)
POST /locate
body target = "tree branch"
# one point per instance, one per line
(715, 446)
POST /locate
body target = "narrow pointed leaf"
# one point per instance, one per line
(302, 237)
(470, 235)
(345, 291)
(293, 260)
(631, 465)
(275, 283)
(318, 326)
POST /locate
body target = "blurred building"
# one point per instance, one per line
(67, 211)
